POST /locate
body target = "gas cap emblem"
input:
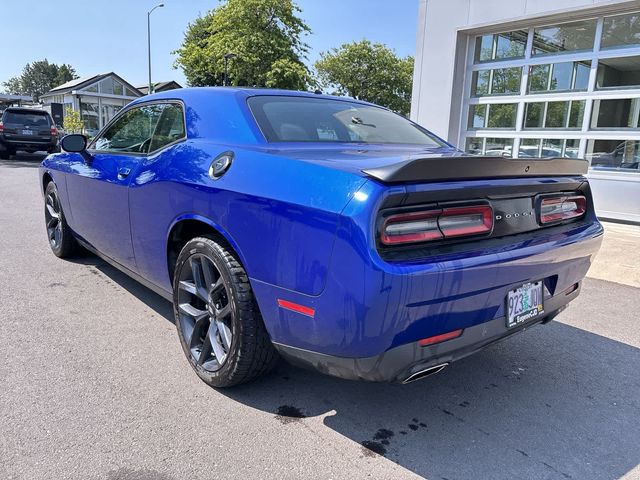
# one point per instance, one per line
(220, 165)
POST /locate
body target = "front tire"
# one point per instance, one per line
(218, 321)
(61, 239)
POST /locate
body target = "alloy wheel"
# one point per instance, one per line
(53, 219)
(204, 312)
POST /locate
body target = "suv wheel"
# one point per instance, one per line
(217, 317)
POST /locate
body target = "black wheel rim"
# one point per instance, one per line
(204, 312)
(53, 219)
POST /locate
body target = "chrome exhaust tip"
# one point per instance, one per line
(427, 372)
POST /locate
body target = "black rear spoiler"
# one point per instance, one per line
(431, 169)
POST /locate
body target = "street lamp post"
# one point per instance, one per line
(160, 5)
(227, 56)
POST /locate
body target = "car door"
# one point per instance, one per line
(98, 185)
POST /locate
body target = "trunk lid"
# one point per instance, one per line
(414, 164)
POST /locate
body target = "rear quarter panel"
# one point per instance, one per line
(280, 215)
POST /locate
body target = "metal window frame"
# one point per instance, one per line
(590, 95)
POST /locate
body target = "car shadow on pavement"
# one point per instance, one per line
(553, 402)
(154, 301)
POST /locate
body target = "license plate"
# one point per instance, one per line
(27, 132)
(524, 303)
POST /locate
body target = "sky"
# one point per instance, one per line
(99, 37)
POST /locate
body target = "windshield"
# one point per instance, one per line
(304, 119)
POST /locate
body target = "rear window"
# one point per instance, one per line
(32, 119)
(304, 119)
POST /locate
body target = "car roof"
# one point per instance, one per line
(194, 92)
(24, 110)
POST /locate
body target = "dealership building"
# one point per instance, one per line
(530, 79)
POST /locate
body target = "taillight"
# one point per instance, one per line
(437, 224)
(557, 209)
(462, 221)
(54, 131)
(411, 227)
(1, 127)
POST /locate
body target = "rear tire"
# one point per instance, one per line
(61, 239)
(218, 321)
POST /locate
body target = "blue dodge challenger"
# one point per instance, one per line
(326, 230)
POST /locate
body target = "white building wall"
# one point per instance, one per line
(443, 29)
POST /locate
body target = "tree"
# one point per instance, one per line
(368, 71)
(266, 36)
(39, 77)
(72, 121)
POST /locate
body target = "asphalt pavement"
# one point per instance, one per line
(94, 385)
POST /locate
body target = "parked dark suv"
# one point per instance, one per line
(28, 130)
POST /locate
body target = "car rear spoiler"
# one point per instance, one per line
(431, 169)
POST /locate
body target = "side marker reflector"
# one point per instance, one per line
(439, 338)
(295, 307)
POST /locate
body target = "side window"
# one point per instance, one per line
(132, 132)
(170, 127)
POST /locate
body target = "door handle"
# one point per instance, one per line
(123, 172)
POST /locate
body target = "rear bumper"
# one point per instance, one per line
(400, 363)
(34, 144)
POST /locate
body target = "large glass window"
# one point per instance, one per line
(501, 46)
(506, 80)
(481, 83)
(549, 147)
(502, 115)
(568, 114)
(566, 37)
(621, 30)
(563, 76)
(499, 81)
(621, 155)
(110, 86)
(495, 115)
(499, 147)
(616, 113)
(477, 116)
(475, 146)
(90, 114)
(623, 72)
(558, 89)
(132, 132)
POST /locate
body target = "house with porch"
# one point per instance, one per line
(97, 98)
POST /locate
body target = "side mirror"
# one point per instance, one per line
(74, 143)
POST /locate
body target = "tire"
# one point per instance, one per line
(61, 240)
(213, 299)
(5, 154)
